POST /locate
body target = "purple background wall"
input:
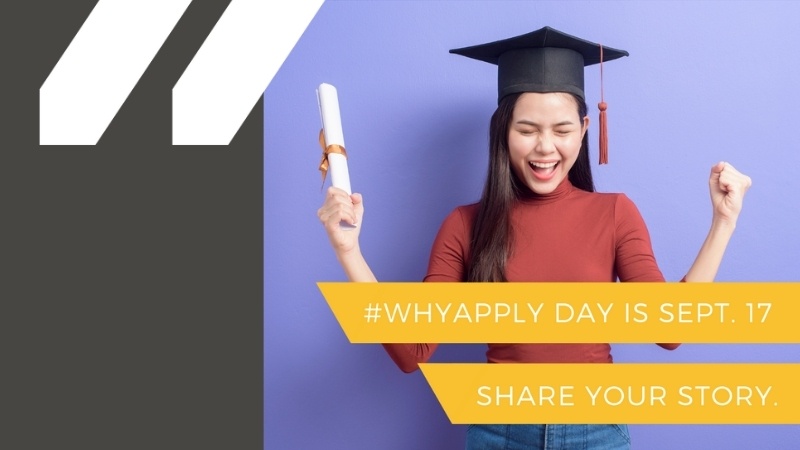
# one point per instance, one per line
(705, 81)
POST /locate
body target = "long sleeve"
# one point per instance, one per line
(634, 260)
(634, 251)
(446, 264)
(449, 253)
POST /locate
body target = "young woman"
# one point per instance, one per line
(539, 219)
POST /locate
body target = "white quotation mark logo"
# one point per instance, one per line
(212, 98)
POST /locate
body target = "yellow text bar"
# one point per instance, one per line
(618, 393)
(566, 312)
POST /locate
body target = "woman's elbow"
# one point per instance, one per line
(408, 367)
(669, 346)
(408, 357)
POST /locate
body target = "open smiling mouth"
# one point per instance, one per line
(543, 171)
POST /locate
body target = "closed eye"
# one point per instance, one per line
(526, 131)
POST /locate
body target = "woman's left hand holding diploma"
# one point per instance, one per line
(341, 207)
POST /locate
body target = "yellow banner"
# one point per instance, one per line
(618, 393)
(566, 312)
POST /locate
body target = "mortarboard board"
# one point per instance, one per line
(545, 60)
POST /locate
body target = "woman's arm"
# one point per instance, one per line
(727, 187)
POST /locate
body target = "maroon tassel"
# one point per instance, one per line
(603, 133)
(603, 118)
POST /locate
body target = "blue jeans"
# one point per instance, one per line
(548, 437)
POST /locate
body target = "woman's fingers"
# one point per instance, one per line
(338, 207)
(358, 207)
(733, 179)
(728, 187)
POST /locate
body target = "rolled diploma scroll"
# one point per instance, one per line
(328, 101)
(332, 127)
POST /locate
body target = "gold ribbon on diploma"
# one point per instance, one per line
(327, 150)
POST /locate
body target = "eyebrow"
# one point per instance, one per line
(528, 122)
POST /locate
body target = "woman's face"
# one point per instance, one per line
(544, 139)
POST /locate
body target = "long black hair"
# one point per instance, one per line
(491, 233)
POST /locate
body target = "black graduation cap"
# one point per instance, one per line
(545, 60)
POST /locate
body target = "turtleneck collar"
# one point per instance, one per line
(561, 191)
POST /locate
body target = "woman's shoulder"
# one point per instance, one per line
(468, 209)
(457, 226)
(462, 215)
(615, 204)
(601, 197)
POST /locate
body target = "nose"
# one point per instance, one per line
(546, 145)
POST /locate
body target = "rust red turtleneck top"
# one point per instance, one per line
(567, 235)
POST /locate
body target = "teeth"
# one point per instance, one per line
(543, 165)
